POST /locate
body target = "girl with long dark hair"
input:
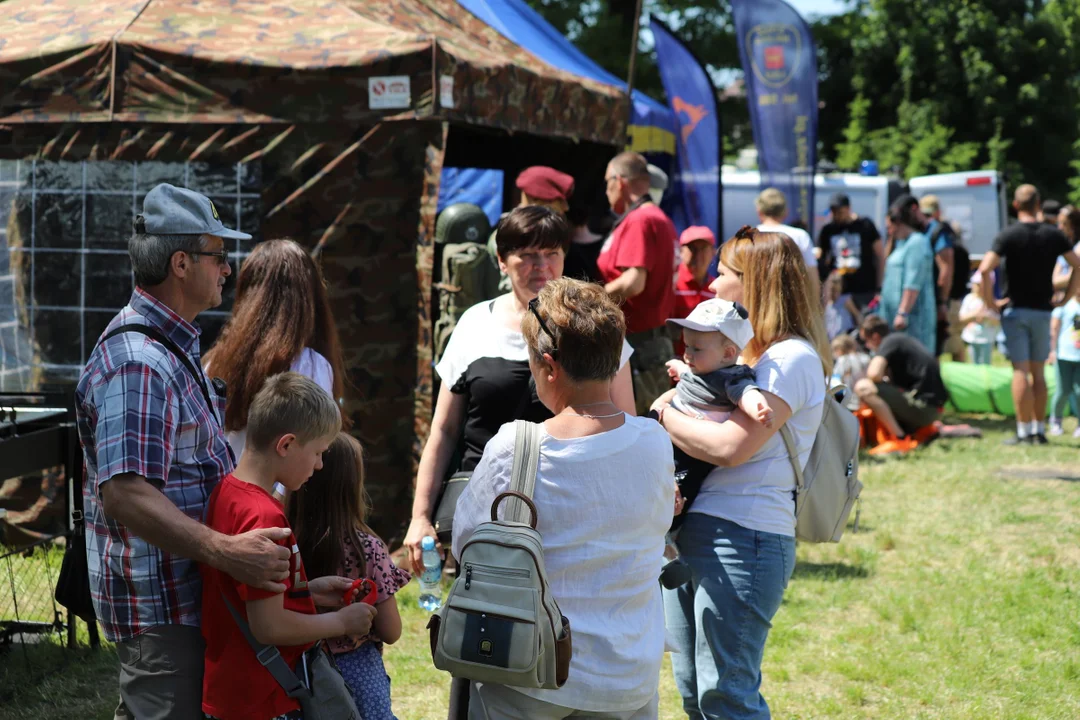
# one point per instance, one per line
(281, 321)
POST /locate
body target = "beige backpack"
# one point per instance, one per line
(500, 623)
(828, 487)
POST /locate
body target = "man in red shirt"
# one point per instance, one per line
(697, 247)
(637, 264)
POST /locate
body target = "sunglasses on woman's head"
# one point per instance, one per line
(534, 304)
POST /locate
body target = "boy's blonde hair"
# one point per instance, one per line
(843, 344)
(290, 403)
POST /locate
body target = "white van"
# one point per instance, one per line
(870, 197)
(973, 200)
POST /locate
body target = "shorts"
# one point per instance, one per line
(652, 350)
(1027, 334)
(911, 412)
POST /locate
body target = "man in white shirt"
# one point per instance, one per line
(772, 210)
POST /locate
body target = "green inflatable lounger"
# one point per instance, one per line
(985, 388)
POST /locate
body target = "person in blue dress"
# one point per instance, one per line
(907, 292)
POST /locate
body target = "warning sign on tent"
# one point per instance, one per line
(390, 91)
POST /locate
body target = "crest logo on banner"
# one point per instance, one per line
(770, 46)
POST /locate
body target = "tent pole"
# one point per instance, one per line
(633, 63)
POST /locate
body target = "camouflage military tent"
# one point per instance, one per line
(327, 121)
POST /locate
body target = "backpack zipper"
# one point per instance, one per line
(543, 590)
(489, 570)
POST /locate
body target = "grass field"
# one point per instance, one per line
(958, 598)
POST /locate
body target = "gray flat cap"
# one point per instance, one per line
(169, 210)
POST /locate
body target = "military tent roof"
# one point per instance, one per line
(285, 61)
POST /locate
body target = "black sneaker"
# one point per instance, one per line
(1017, 440)
(1038, 439)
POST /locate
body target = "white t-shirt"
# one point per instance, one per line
(758, 493)
(976, 333)
(801, 238)
(309, 363)
(604, 504)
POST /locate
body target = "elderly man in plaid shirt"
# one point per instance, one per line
(150, 428)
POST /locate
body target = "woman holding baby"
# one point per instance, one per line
(738, 536)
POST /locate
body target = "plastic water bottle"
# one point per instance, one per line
(431, 579)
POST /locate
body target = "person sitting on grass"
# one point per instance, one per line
(291, 423)
(903, 384)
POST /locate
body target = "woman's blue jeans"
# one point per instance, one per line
(719, 621)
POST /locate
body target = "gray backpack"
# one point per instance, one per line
(827, 488)
(500, 623)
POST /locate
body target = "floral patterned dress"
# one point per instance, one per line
(360, 658)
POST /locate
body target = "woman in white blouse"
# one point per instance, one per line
(604, 494)
(739, 535)
(281, 321)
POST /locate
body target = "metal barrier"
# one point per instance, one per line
(38, 442)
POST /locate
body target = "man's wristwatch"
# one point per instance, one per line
(901, 313)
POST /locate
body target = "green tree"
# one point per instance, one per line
(944, 85)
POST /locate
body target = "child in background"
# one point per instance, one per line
(850, 367)
(979, 331)
(1065, 341)
(329, 515)
(291, 422)
(841, 313)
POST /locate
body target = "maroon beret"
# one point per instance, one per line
(544, 183)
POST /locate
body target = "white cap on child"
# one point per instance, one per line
(723, 316)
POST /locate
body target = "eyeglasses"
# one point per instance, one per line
(222, 255)
(533, 305)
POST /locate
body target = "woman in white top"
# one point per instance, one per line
(281, 321)
(739, 535)
(604, 493)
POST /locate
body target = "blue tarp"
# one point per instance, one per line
(471, 185)
(522, 25)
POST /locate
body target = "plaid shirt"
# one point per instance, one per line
(140, 411)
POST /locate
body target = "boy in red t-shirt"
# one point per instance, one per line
(291, 422)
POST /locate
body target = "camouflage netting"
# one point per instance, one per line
(264, 104)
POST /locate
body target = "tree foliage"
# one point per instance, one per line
(924, 86)
(946, 85)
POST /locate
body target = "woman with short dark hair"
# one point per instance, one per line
(485, 368)
(604, 495)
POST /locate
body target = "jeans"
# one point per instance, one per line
(719, 621)
(981, 352)
(1068, 388)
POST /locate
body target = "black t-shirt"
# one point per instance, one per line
(1028, 252)
(489, 364)
(913, 367)
(850, 248)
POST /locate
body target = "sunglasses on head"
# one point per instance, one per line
(534, 304)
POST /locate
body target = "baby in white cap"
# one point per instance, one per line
(712, 384)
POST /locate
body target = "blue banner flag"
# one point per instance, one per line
(697, 134)
(779, 60)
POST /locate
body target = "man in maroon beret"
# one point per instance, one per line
(542, 185)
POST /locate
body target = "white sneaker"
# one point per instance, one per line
(1055, 428)
(1076, 432)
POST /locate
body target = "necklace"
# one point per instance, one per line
(592, 417)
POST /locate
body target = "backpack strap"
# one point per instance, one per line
(270, 658)
(160, 338)
(793, 456)
(526, 461)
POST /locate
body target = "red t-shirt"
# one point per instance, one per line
(688, 295)
(235, 685)
(645, 239)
